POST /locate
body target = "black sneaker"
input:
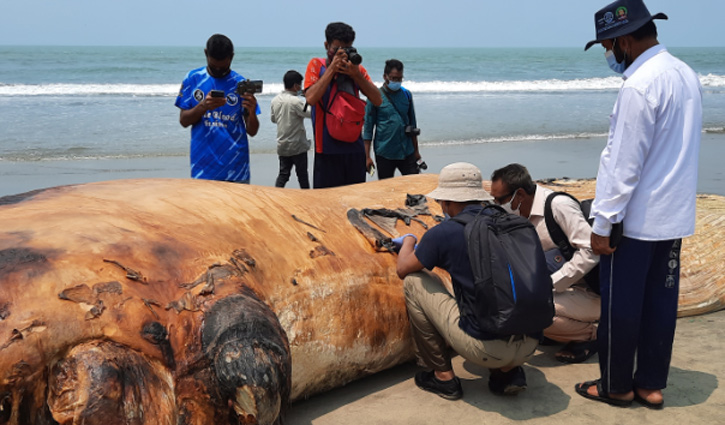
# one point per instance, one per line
(507, 383)
(450, 390)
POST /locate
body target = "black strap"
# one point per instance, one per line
(558, 235)
(385, 92)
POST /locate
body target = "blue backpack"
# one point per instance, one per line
(512, 286)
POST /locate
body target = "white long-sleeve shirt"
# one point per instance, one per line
(568, 215)
(648, 171)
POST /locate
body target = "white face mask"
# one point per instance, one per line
(508, 206)
(617, 67)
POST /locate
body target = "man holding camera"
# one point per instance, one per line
(337, 162)
(211, 104)
(396, 133)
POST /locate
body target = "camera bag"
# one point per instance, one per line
(344, 114)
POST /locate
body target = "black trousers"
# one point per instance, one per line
(387, 167)
(640, 285)
(333, 170)
(286, 163)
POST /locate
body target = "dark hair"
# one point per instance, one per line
(219, 47)
(291, 78)
(648, 30)
(515, 176)
(339, 31)
(392, 64)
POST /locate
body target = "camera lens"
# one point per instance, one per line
(353, 56)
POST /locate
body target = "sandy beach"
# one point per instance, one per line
(693, 395)
(574, 158)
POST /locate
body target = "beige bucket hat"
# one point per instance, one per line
(460, 182)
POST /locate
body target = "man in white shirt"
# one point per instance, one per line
(647, 180)
(289, 112)
(576, 305)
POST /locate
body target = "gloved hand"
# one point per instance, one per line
(398, 242)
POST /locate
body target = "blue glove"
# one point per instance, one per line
(398, 242)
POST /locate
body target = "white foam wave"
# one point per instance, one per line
(418, 87)
(516, 138)
(610, 83)
(712, 80)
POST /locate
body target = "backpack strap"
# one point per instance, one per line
(402, 117)
(477, 234)
(557, 235)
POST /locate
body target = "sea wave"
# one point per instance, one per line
(515, 138)
(418, 87)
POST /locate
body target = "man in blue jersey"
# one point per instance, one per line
(395, 142)
(647, 180)
(218, 116)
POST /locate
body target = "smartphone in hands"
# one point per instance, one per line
(217, 93)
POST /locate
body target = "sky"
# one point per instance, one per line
(377, 23)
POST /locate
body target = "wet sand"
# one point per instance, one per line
(576, 158)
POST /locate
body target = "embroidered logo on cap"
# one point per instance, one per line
(621, 13)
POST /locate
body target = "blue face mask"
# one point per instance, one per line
(617, 67)
(394, 85)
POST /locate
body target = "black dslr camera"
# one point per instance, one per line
(352, 55)
(249, 86)
(411, 131)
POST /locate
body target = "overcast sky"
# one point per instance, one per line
(400, 23)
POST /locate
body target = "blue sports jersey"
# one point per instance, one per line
(219, 145)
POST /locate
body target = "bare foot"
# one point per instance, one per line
(651, 396)
(593, 391)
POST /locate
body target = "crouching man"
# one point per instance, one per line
(577, 304)
(440, 320)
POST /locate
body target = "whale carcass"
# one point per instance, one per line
(189, 302)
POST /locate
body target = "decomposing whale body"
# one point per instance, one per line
(191, 302)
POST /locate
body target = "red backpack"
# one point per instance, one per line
(344, 114)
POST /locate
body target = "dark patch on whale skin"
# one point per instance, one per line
(17, 259)
(22, 197)
(156, 333)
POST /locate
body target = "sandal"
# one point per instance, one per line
(577, 351)
(602, 396)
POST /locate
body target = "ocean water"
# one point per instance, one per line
(86, 103)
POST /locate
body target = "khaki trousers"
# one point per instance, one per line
(577, 315)
(434, 317)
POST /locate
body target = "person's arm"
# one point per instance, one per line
(250, 119)
(303, 111)
(416, 152)
(272, 116)
(414, 123)
(568, 216)
(316, 90)
(371, 119)
(407, 261)
(192, 116)
(621, 164)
